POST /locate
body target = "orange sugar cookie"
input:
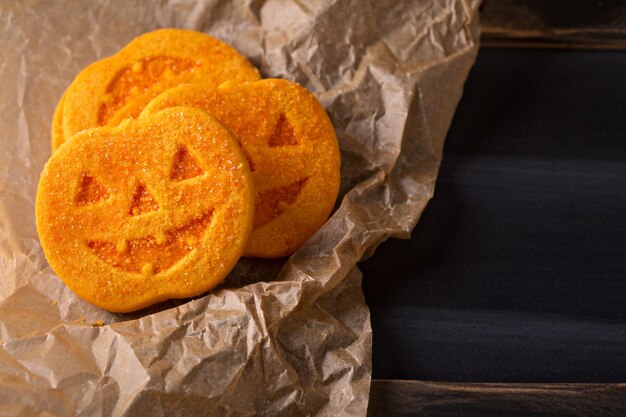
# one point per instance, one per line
(291, 148)
(156, 208)
(118, 87)
(57, 122)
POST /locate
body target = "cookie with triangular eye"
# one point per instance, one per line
(292, 150)
(118, 87)
(156, 208)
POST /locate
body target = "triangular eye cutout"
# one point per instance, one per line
(90, 191)
(142, 201)
(185, 166)
(284, 134)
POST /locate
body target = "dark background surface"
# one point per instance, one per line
(517, 270)
(597, 24)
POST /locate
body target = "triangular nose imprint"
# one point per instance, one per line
(142, 201)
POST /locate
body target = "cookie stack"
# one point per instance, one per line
(171, 160)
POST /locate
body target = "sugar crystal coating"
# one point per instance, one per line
(291, 149)
(142, 201)
(139, 78)
(118, 87)
(160, 252)
(185, 166)
(90, 191)
(120, 227)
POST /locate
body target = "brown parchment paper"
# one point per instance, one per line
(287, 337)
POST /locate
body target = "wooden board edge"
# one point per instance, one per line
(416, 398)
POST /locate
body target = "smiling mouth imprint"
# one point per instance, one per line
(152, 254)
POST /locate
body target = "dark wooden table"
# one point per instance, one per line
(511, 293)
(599, 24)
(418, 398)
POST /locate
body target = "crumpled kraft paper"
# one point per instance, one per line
(287, 337)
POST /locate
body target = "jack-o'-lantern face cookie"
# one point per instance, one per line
(292, 150)
(153, 209)
(118, 87)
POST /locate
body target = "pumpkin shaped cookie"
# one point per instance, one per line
(57, 122)
(156, 208)
(291, 148)
(118, 87)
